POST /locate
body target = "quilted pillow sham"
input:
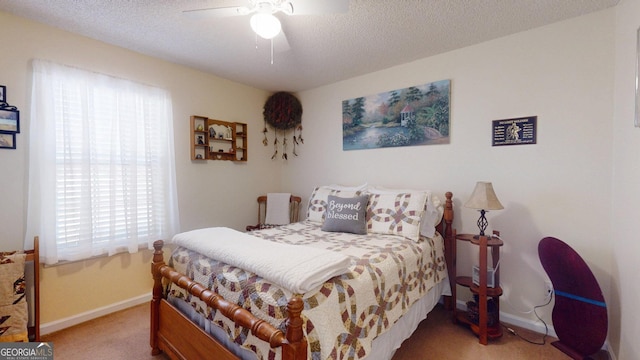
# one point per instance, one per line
(434, 209)
(396, 214)
(346, 214)
(318, 201)
(13, 305)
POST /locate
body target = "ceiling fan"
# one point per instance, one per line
(263, 22)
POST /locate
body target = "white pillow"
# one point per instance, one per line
(396, 213)
(434, 209)
(362, 187)
(318, 201)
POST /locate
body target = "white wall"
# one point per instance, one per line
(625, 295)
(563, 74)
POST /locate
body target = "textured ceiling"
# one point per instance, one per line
(323, 48)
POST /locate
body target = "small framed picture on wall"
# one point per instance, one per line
(3, 94)
(9, 120)
(7, 141)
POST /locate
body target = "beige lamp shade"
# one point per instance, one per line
(484, 198)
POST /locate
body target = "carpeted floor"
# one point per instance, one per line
(438, 337)
(125, 335)
(118, 336)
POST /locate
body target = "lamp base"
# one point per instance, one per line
(482, 222)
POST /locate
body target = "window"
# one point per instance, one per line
(101, 164)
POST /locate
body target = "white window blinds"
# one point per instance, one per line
(101, 171)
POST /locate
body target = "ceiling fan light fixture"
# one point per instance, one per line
(266, 25)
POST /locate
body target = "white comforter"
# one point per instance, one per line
(297, 268)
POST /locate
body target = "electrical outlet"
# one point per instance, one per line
(548, 288)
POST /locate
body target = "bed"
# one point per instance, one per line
(204, 307)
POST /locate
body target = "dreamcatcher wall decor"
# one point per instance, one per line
(283, 112)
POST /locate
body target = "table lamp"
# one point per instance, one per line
(483, 199)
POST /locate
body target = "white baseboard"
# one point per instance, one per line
(518, 321)
(58, 325)
(534, 325)
(607, 346)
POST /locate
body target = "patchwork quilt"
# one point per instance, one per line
(388, 273)
(13, 304)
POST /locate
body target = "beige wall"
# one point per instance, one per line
(210, 194)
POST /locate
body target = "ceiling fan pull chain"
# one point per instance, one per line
(272, 51)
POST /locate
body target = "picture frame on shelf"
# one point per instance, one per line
(9, 120)
(3, 94)
(7, 140)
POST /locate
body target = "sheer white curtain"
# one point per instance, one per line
(101, 164)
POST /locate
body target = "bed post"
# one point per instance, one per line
(158, 261)
(296, 349)
(34, 256)
(449, 245)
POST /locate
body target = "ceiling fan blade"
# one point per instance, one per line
(216, 12)
(312, 7)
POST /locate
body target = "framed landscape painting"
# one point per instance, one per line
(417, 115)
(9, 121)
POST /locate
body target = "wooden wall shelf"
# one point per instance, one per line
(213, 139)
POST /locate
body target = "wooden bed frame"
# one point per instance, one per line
(173, 333)
(34, 256)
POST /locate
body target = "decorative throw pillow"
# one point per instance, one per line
(13, 305)
(346, 214)
(434, 209)
(396, 214)
(318, 201)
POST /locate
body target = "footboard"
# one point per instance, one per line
(185, 340)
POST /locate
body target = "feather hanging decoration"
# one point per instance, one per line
(284, 146)
(283, 111)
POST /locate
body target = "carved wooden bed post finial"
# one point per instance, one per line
(297, 347)
(448, 214)
(158, 261)
(449, 238)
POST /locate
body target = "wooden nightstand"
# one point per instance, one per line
(483, 292)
